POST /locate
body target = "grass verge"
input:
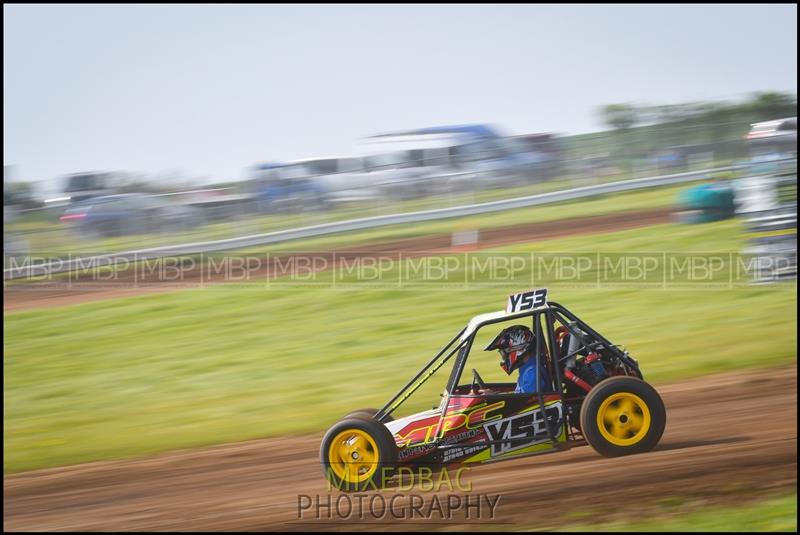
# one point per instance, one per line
(777, 513)
(141, 375)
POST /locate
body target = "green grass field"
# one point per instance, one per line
(777, 513)
(230, 362)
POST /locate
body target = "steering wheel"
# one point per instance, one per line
(477, 380)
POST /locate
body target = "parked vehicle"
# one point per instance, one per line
(773, 138)
(329, 180)
(82, 186)
(409, 173)
(282, 187)
(440, 159)
(544, 152)
(132, 213)
(490, 164)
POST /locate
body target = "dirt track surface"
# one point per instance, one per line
(67, 291)
(729, 438)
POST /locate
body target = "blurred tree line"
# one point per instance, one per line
(714, 126)
(701, 121)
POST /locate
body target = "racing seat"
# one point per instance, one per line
(568, 342)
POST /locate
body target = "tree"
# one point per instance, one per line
(20, 193)
(770, 105)
(620, 116)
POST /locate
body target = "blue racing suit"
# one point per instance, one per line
(526, 384)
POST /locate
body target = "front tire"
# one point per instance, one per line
(621, 416)
(358, 453)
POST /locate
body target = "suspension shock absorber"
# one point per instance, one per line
(596, 365)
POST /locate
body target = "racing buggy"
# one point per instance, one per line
(592, 391)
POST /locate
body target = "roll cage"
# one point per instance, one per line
(543, 320)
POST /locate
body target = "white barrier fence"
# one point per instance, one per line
(33, 269)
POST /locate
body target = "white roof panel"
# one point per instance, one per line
(480, 319)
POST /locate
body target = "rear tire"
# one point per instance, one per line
(621, 416)
(358, 454)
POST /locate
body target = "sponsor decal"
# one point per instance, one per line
(460, 437)
(415, 451)
(456, 453)
(521, 430)
(470, 418)
(529, 300)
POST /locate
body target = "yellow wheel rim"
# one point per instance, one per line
(623, 419)
(353, 456)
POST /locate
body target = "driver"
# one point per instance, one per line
(517, 347)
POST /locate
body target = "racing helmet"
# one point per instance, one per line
(514, 343)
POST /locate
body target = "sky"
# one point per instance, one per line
(208, 90)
